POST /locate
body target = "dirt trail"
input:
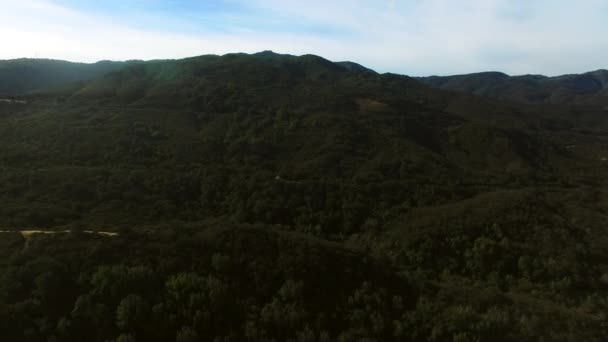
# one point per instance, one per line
(12, 101)
(27, 234)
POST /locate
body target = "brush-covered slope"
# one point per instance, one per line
(584, 88)
(19, 76)
(274, 197)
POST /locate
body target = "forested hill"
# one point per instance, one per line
(587, 88)
(201, 82)
(25, 75)
(271, 197)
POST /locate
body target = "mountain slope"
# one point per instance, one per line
(280, 197)
(21, 76)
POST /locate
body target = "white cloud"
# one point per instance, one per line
(409, 36)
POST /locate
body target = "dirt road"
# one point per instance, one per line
(27, 234)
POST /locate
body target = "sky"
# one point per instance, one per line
(413, 37)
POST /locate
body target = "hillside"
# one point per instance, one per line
(587, 88)
(275, 197)
(19, 76)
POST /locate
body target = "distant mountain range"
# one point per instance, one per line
(587, 88)
(22, 76)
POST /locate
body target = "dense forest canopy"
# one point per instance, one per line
(271, 197)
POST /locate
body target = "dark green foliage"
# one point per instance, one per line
(278, 198)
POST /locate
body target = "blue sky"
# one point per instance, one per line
(415, 37)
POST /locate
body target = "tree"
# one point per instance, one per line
(187, 334)
(133, 314)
